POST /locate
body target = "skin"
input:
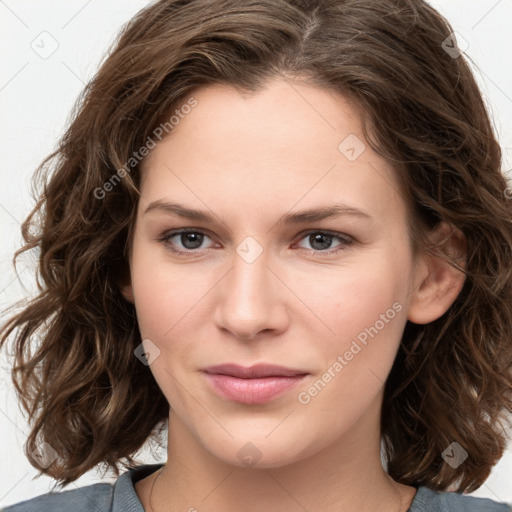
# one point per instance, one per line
(247, 160)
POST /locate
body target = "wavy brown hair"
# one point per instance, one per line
(75, 372)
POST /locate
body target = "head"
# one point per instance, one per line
(254, 285)
(252, 117)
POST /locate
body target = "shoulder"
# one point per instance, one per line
(427, 500)
(119, 496)
(97, 497)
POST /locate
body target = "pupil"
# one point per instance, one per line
(194, 238)
(318, 238)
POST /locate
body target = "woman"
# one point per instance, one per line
(280, 230)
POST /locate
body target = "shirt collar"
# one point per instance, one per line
(125, 498)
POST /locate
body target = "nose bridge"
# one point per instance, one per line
(249, 301)
(249, 279)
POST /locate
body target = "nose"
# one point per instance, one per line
(251, 300)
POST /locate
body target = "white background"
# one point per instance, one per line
(36, 97)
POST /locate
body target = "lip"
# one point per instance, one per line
(253, 372)
(257, 384)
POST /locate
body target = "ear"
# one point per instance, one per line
(127, 292)
(124, 281)
(437, 283)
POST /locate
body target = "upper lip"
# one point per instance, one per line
(253, 372)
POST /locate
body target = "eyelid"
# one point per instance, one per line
(165, 237)
(329, 232)
(346, 240)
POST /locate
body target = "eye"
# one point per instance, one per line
(322, 240)
(190, 240)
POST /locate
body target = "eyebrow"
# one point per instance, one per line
(298, 217)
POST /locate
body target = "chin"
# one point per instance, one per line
(262, 453)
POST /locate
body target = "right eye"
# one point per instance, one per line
(189, 239)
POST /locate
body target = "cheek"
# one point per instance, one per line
(167, 303)
(358, 298)
(355, 361)
(365, 312)
(166, 294)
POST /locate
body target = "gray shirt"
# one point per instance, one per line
(121, 497)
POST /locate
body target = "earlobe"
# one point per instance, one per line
(124, 281)
(438, 283)
(127, 292)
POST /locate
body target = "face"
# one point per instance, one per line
(322, 294)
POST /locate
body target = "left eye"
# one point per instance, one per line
(187, 241)
(321, 240)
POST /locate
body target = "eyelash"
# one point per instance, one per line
(345, 240)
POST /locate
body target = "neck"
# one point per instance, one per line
(345, 475)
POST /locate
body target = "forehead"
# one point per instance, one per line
(283, 145)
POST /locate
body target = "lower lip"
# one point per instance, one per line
(251, 391)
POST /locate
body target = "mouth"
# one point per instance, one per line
(257, 384)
